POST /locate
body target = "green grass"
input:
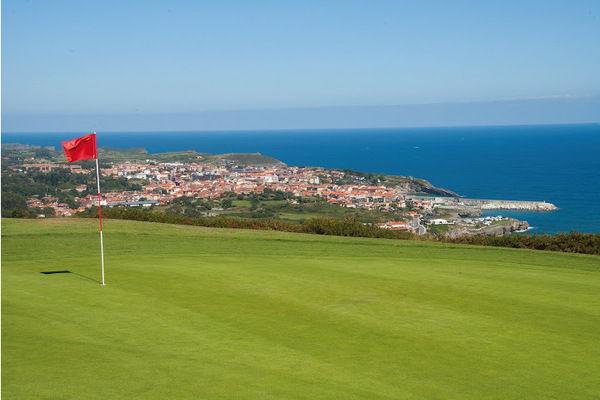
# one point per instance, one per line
(297, 217)
(241, 203)
(201, 313)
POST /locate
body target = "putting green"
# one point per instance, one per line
(220, 314)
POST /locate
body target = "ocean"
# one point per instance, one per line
(559, 163)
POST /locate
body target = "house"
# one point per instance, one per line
(395, 225)
(145, 203)
(438, 221)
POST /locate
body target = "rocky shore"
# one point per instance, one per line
(507, 227)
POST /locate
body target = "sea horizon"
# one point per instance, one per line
(304, 130)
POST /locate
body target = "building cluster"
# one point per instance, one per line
(164, 182)
(60, 209)
(47, 167)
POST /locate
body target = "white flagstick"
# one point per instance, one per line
(100, 216)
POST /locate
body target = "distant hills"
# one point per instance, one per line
(524, 111)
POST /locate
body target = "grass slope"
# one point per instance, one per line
(219, 314)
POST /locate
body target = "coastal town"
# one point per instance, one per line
(411, 204)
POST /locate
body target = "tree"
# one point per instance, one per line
(226, 203)
(13, 205)
(43, 153)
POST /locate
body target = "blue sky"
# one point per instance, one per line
(79, 59)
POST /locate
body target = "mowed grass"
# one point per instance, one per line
(197, 313)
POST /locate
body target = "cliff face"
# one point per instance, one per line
(428, 188)
(419, 186)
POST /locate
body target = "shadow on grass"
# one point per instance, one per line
(66, 271)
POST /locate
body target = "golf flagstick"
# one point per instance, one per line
(100, 219)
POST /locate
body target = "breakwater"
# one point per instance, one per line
(482, 204)
(486, 204)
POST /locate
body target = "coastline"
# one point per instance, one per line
(476, 162)
(178, 181)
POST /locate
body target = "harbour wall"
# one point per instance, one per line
(486, 204)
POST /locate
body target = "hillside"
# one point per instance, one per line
(14, 153)
(194, 312)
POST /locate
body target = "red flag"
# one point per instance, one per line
(82, 148)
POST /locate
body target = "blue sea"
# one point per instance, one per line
(559, 164)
